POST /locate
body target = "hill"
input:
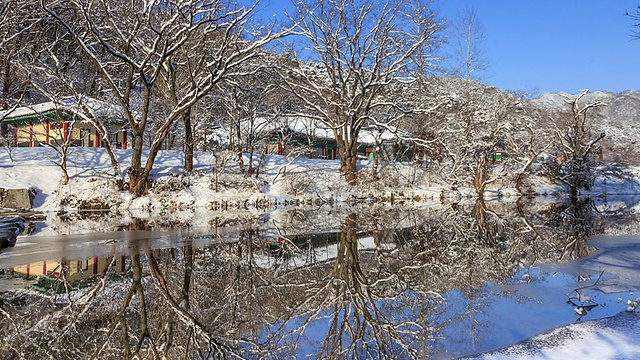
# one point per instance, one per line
(619, 118)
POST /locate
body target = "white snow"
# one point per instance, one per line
(91, 178)
(611, 338)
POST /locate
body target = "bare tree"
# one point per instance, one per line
(7, 141)
(477, 124)
(635, 17)
(134, 46)
(469, 41)
(250, 116)
(361, 48)
(21, 36)
(61, 142)
(579, 145)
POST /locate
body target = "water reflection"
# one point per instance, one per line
(328, 283)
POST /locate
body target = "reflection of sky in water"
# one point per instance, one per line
(480, 319)
(514, 312)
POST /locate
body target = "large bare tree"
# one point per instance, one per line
(357, 49)
(135, 47)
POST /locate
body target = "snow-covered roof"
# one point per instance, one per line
(85, 108)
(314, 128)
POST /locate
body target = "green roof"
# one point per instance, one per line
(51, 115)
(68, 109)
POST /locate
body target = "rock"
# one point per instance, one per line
(17, 198)
(7, 239)
(10, 228)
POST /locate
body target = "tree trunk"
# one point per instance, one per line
(480, 175)
(112, 157)
(139, 176)
(137, 179)
(188, 270)
(250, 169)
(480, 215)
(376, 162)
(347, 150)
(347, 266)
(63, 166)
(188, 142)
(349, 168)
(519, 181)
(115, 165)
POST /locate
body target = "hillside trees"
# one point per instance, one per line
(359, 48)
(12, 85)
(20, 39)
(135, 47)
(477, 122)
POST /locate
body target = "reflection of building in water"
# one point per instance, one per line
(309, 249)
(53, 275)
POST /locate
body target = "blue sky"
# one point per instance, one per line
(558, 45)
(551, 45)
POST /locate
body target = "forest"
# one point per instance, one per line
(220, 76)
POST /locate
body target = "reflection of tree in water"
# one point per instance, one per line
(467, 247)
(152, 311)
(387, 303)
(373, 301)
(562, 229)
(580, 220)
(349, 304)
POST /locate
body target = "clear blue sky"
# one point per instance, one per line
(551, 45)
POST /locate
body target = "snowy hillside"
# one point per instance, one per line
(619, 118)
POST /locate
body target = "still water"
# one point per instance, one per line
(436, 281)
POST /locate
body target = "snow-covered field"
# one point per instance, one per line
(280, 180)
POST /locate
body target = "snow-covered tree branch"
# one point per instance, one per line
(358, 50)
(137, 49)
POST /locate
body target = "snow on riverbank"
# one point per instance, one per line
(616, 337)
(280, 180)
(611, 338)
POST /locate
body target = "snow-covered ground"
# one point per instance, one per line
(280, 180)
(616, 337)
(311, 180)
(610, 338)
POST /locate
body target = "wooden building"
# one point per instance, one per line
(56, 122)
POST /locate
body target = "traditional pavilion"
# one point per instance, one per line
(69, 119)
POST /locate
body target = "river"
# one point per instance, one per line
(429, 281)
